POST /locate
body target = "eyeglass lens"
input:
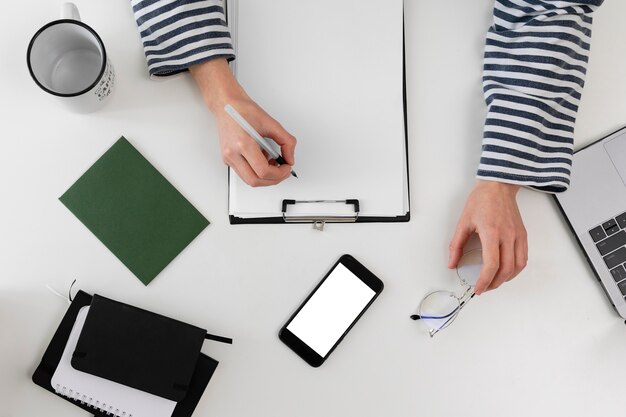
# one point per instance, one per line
(469, 267)
(438, 309)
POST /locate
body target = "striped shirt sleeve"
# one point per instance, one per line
(535, 62)
(179, 33)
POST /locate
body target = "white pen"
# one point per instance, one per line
(260, 140)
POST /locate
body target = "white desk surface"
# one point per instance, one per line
(547, 343)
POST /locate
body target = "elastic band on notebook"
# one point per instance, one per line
(219, 338)
(69, 297)
(69, 292)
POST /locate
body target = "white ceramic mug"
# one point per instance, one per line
(67, 59)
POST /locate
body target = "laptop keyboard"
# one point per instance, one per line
(610, 239)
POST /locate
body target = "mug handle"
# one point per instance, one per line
(70, 11)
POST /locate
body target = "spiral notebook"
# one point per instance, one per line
(99, 393)
(51, 360)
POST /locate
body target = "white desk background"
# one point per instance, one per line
(547, 343)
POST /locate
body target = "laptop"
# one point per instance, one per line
(595, 208)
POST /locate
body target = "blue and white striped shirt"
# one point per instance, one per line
(536, 58)
(179, 33)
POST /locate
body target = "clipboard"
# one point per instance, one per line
(319, 209)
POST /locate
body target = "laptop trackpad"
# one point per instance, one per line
(616, 148)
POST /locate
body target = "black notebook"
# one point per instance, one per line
(202, 370)
(138, 348)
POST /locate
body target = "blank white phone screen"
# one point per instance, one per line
(331, 310)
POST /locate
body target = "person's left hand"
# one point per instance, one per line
(491, 211)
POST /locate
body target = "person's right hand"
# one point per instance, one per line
(239, 150)
(243, 154)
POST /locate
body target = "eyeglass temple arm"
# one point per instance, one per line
(449, 315)
(418, 317)
(433, 332)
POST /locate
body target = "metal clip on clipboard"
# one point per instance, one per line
(320, 221)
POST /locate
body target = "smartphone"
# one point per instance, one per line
(330, 311)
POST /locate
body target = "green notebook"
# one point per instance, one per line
(134, 210)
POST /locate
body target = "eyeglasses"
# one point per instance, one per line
(438, 309)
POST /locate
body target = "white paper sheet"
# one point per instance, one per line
(331, 73)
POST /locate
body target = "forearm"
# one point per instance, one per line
(177, 34)
(217, 84)
(535, 65)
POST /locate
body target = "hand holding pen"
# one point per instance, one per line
(263, 143)
(239, 151)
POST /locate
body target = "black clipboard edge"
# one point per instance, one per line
(571, 227)
(365, 219)
(279, 220)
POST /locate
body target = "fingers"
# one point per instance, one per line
(246, 173)
(491, 262)
(461, 234)
(272, 162)
(506, 271)
(283, 138)
(260, 165)
(513, 259)
(494, 215)
(521, 254)
(243, 154)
